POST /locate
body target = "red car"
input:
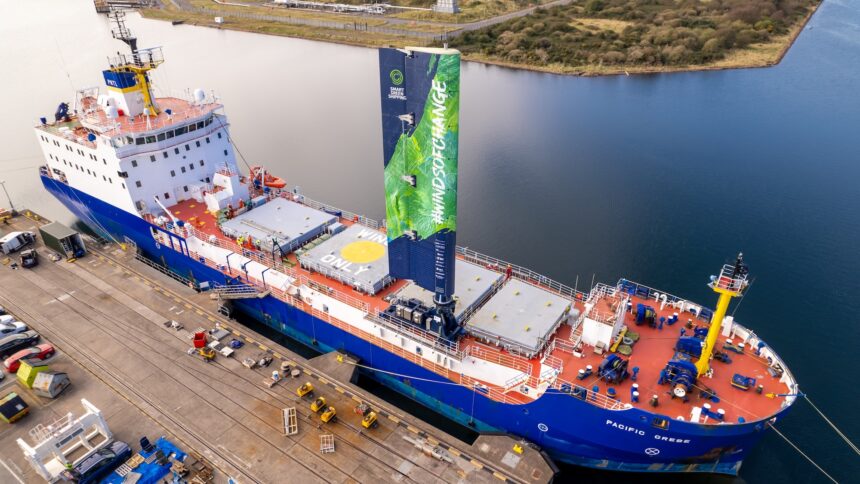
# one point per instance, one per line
(35, 353)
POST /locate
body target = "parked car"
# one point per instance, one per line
(12, 327)
(12, 343)
(6, 318)
(102, 462)
(29, 258)
(2, 310)
(32, 354)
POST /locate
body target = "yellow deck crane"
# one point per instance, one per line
(731, 283)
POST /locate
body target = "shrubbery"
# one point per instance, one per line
(654, 32)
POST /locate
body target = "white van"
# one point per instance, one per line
(15, 241)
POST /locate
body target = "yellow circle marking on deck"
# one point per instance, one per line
(362, 251)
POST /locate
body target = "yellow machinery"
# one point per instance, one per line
(207, 353)
(370, 421)
(330, 415)
(306, 390)
(731, 282)
(318, 405)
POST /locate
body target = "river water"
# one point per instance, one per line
(657, 178)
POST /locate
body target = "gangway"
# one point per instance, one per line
(54, 444)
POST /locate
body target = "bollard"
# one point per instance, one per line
(654, 401)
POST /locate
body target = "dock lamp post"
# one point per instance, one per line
(12, 207)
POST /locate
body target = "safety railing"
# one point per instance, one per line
(345, 214)
(553, 361)
(647, 292)
(493, 355)
(515, 382)
(427, 338)
(333, 293)
(521, 273)
(588, 395)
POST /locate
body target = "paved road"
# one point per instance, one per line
(452, 28)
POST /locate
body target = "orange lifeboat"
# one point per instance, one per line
(258, 173)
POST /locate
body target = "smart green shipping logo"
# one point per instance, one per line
(396, 77)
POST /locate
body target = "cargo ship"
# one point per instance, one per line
(620, 377)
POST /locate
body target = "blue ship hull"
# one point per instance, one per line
(570, 430)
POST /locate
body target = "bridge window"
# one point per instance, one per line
(150, 139)
(181, 131)
(161, 136)
(139, 141)
(192, 127)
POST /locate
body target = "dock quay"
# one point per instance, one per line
(123, 330)
(104, 6)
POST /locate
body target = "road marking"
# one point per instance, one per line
(11, 472)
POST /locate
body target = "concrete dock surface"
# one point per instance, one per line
(106, 314)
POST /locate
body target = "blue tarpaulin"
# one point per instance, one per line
(151, 473)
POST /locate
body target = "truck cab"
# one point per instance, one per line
(15, 241)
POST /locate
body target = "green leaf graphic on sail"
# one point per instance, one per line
(430, 206)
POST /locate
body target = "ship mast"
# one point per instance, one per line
(139, 63)
(731, 283)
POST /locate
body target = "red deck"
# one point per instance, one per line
(650, 354)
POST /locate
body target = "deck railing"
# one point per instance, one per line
(521, 273)
(588, 395)
(493, 355)
(345, 214)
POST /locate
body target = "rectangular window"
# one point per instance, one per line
(219, 135)
(88, 172)
(197, 143)
(183, 169)
(225, 152)
(104, 178)
(164, 153)
(176, 150)
(110, 180)
(181, 131)
(201, 162)
(123, 186)
(172, 173)
(134, 163)
(191, 166)
(207, 179)
(139, 141)
(150, 139)
(169, 134)
(138, 184)
(166, 196)
(187, 148)
(185, 188)
(199, 124)
(208, 121)
(152, 158)
(192, 127)
(104, 160)
(207, 140)
(161, 136)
